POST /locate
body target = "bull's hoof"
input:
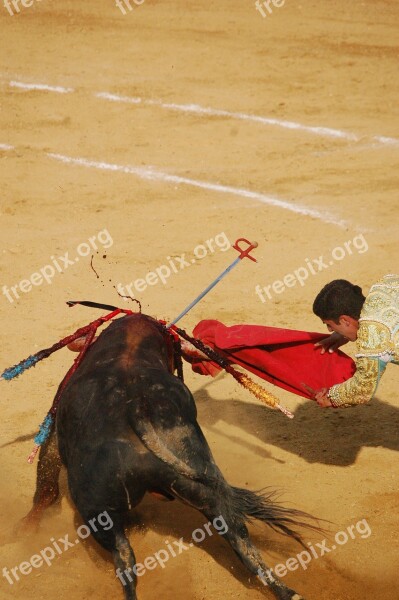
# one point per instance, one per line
(289, 595)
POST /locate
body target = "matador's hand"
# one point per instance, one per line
(320, 396)
(332, 342)
(322, 399)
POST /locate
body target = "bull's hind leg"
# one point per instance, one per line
(217, 505)
(47, 488)
(115, 541)
(238, 537)
(125, 561)
(236, 533)
(112, 537)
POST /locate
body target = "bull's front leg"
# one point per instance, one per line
(47, 486)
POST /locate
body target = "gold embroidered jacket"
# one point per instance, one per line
(377, 344)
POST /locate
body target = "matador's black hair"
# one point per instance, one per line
(339, 297)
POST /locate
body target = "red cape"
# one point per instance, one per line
(284, 357)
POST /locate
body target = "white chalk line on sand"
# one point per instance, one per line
(151, 174)
(125, 99)
(215, 112)
(41, 87)
(386, 140)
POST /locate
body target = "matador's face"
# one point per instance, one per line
(346, 326)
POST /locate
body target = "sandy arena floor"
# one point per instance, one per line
(151, 133)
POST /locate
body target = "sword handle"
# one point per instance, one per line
(245, 252)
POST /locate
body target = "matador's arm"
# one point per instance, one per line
(360, 388)
(371, 342)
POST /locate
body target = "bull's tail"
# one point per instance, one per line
(264, 506)
(154, 443)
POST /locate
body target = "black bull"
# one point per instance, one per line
(126, 426)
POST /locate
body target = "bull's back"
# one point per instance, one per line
(95, 405)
